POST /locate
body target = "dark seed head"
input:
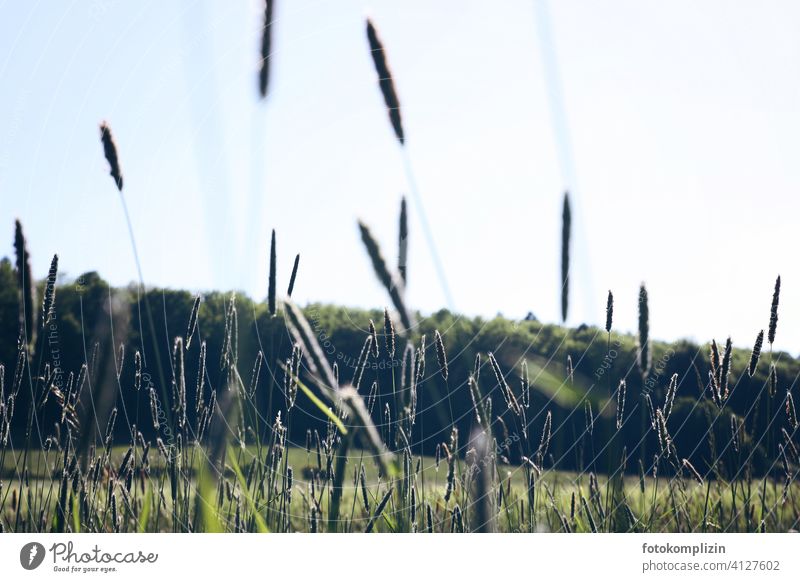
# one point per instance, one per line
(621, 390)
(388, 331)
(754, 356)
(385, 81)
(645, 357)
(609, 311)
(26, 288)
(49, 300)
(441, 355)
(566, 227)
(773, 312)
(110, 151)
(773, 379)
(389, 281)
(725, 370)
(272, 266)
(294, 275)
(402, 255)
(266, 49)
(374, 335)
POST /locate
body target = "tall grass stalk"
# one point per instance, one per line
(566, 230)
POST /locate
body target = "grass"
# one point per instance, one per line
(711, 507)
(230, 469)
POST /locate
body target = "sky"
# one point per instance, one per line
(675, 126)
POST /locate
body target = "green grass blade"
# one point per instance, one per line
(261, 525)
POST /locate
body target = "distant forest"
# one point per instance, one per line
(103, 327)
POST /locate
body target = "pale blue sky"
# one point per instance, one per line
(684, 120)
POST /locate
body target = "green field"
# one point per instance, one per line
(561, 501)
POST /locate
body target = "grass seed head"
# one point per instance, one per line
(389, 281)
(402, 254)
(621, 391)
(388, 332)
(385, 81)
(26, 288)
(190, 329)
(271, 292)
(644, 360)
(755, 354)
(110, 152)
(49, 300)
(773, 312)
(773, 379)
(374, 335)
(293, 276)
(725, 371)
(791, 412)
(566, 228)
(441, 355)
(266, 49)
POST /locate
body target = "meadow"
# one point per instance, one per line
(263, 416)
(212, 460)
